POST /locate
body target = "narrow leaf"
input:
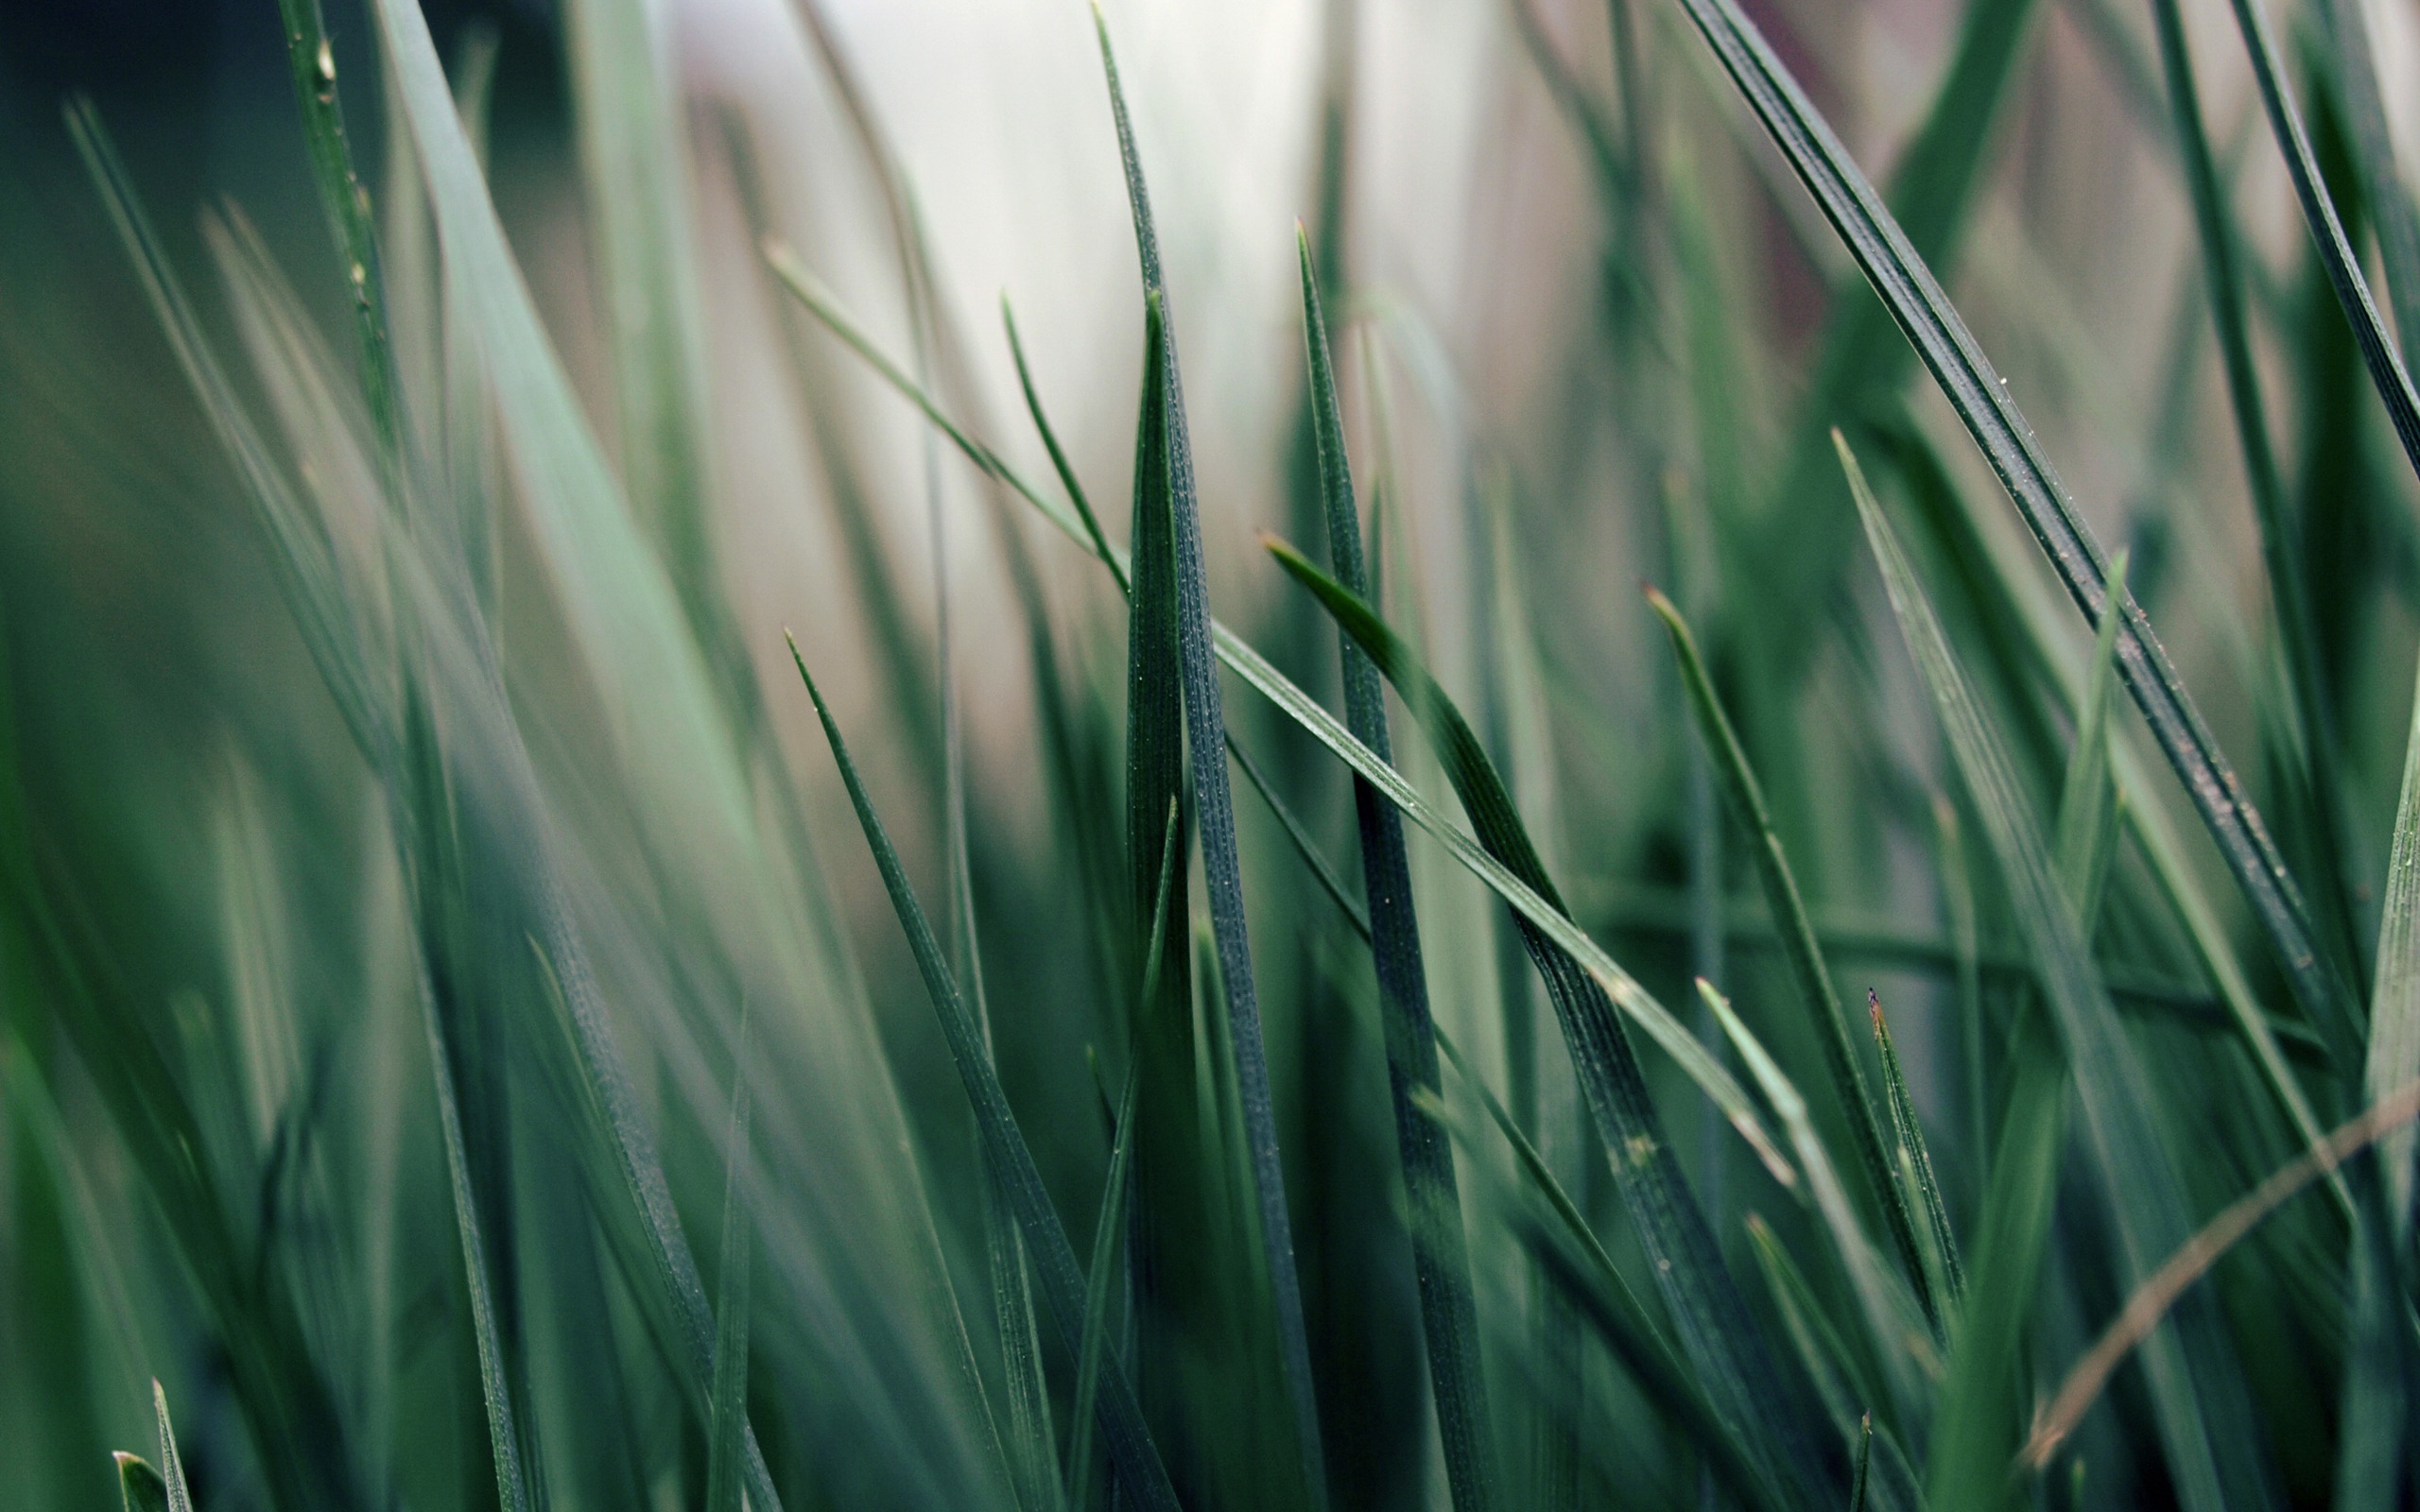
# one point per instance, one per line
(727, 1432)
(139, 1485)
(1914, 1156)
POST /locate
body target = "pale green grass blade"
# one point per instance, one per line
(1441, 1254)
(139, 1485)
(727, 1430)
(2393, 1057)
(1745, 797)
(172, 1468)
(2195, 1385)
(1916, 302)
(1063, 1285)
(1724, 1345)
(1215, 821)
(1912, 1158)
(1895, 1326)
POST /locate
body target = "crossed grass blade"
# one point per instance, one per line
(1901, 276)
(1215, 820)
(1441, 1255)
(2196, 1386)
(1120, 1418)
(1746, 799)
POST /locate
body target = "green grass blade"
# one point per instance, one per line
(1441, 1254)
(727, 1432)
(139, 1486)
(1214, 810)
(1746, 799)
(1916, 302)
(346, 202)
(1724, 1344)
(1914, 1157)
(1063, 1285)
(2345, 29)
(172, 1468)
(2086, 836)
(2393, 1057)
(2195, 1388)
(2336, 254)
(1893, 1322)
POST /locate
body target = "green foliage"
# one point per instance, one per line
(421, 923)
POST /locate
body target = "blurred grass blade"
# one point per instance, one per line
(1214, 815)
(727, 1432)
(2195, 1388)
(1933, 324)
(1914, 1156)
(2395, 1005)
(1813, 979)
(1441, 1255)
(1724, 1344)
(2336, 254)
(2344, 28)
(1122, 1429)
(139, 1486)
(2160, 1291)
(172, 1468)
(1894, 1323)
(1113, 1199)
(2085, 837)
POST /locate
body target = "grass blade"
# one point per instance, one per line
(1915, 300)
(1913, 1159)
(2086, 834)
(172, 1468)
(2346, 28)
(727, 1432)
(1214, 809)
(1723, 1342)
(1813, 979)
(2199, 1404)
(1063, 1285)
(139, 1486)
(1441, 1255)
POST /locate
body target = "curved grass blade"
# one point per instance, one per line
(1948, 351)
(1214, 810)
(1746, 799)
(2346, 27)
(1724, 1342)
(2196, 1387)
(1330, 731)
(139, 1486)
(1441, 1256)
(727, 1432)
(1913, 1159)
(1063, 1285)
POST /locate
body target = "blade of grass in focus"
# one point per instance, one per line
(1440, 1253)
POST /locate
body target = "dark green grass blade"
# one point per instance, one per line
(346, 202)
(1914, 1156)
(1330, 731)
(2336, 254)
(139, 1486)
(172, 1466)
(1214, 810)
(2195, 1388)
(2346, 30)
(1949, 353)
(1724, 1345)
(727, 1432)
(1113, 1201)
(1122, 1429)
(2288, 586)
(1813, 979)
(1441, 1255)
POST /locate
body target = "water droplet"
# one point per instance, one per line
(327, 61)
(360, 276)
